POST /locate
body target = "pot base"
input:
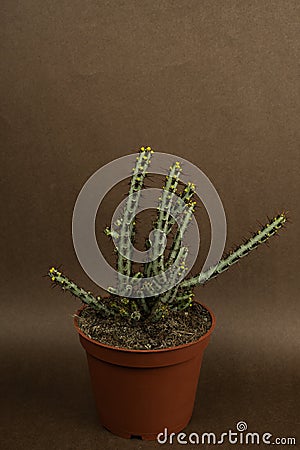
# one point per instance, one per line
(145, 436)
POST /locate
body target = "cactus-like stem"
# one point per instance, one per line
(176, 211)
(125, 227)
(179, 269)
(120, 306)
(159, 311)
(86, 297)
(171, 183)
(143, 303)
(137, 180)
(180, 232)
(185, 196)
(261, 236)
(183, 301)
(135, 313)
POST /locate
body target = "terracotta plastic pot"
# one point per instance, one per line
(139, 393)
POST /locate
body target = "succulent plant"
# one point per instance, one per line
(148, 304)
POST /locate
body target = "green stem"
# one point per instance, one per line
(185, 196)
(137, 180)
(178, 271)
(86, 297)
(124, 231)
(179, 234)
(261, 236)
(172, 180)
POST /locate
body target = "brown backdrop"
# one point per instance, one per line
(216, 82)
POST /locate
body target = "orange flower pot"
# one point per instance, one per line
(141, 392)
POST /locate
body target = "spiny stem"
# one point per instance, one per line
(179, 269)
(261, 236)
(125, 227)
(86, 297)
(137, 180)
(186, 196)
(172, 180)
(182, 301)
(179, 234)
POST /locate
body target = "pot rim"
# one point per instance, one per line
(136, 351)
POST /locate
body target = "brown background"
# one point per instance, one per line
(84, 82)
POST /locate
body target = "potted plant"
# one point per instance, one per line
(145, 350)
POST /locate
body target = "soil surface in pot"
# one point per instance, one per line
(175, 329)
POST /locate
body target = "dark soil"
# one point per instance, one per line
(175, 329)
